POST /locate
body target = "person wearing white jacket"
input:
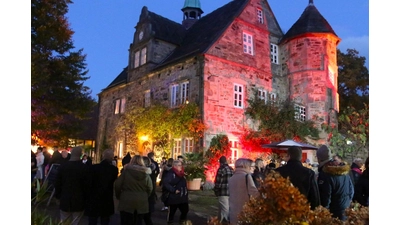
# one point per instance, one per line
(40, 161)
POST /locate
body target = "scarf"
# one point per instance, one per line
(178, 173)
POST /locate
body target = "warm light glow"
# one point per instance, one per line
(144, 138)
(34, 148)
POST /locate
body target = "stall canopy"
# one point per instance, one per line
(284, 145)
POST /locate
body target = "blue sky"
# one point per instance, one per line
(104, 29)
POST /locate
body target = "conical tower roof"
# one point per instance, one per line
(310, 21)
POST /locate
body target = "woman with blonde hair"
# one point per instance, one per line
(133, 189)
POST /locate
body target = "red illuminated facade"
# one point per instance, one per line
(216, 61)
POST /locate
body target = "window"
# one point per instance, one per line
(147, 98)
(123, 102)
(177, 147)
(260, 16)
(143, 56)
(174, 91)
(300, 113)
(120, 149)
(329, 98)
(238, 95)
(137, 55)
(179, 94)
(248, 44)
(274, 53)
(263, 95)
(235, 150)
(140, 57)
(184, 92)
(331, 76)
(272, 97)
(119, 106)
(188, 145)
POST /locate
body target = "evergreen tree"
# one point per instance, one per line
(353, 80)
(59, 99)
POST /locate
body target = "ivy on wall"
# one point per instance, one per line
(161, 123)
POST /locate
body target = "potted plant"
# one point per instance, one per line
(194, 170)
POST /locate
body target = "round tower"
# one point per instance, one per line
(309, 62)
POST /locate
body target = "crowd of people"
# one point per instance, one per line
(84, 188)
(335, 186)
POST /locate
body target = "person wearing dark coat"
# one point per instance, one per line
(167, 167)
(301, 177)
(71, 187)
(126, 160)
(153, 196)
(221, 189)
(175, 185)
(259, 172)
(86, 160)
(335, 186)
(361, 190)
(356, 170)
(101, 186)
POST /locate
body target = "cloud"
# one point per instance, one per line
(361, 44)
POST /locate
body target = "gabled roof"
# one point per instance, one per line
(120, 79)
(310, 21)
(163, 28)
(206, 31)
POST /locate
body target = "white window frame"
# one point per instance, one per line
(234, 150)
(263, 95)
(274, 53)
(188, 145)
(120, 149)
(143, 56)
(272, 97)
(137, 59)
(147, 95)
(174, 95)
(184, 92)
(177, 147)
(248, 43)
(260, 16)
(300, 112)
(238, 94)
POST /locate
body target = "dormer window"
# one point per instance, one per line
(140, 57)
(260, 16)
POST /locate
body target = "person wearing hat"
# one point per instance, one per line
(221, 189)
(71, 188)
(300, 176)
(334, 183)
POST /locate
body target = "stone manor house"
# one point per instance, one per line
(216, 60)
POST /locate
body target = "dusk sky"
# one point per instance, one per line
(105, 29)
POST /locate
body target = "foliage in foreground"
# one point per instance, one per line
(282, 203)
(351, 138)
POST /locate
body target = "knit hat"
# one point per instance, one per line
(323, 153)
(222, 160)
(76, 153)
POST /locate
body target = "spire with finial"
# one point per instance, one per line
(311, 2)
